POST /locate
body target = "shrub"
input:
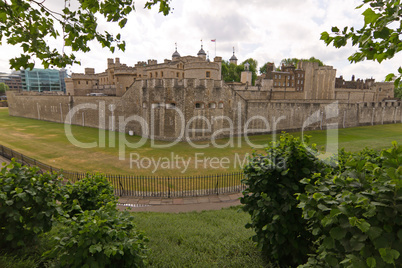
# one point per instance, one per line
(356, 216)
(272, 181)
(89, 193)
(99, 238)
(27, 203)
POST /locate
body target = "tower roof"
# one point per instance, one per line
(201, 52)
(233, 57)
(175, 53)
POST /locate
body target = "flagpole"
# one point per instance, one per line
(215, 48)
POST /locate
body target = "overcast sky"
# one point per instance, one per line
(266, 30)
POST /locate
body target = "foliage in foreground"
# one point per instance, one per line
(378, 39)
(89, 193)
(272, 181)
(31, 24)
(27, 204)
(352, 212)
(99, 238)
(93, 233)
(356, 215)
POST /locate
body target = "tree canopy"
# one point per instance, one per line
(3, 88)
(295, 61)
(32, 23)
(380, 37)
(232, 72)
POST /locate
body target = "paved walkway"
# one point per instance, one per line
(176, 205)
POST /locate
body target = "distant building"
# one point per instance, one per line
(40, 80)
(13, 80)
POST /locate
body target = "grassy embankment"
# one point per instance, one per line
(47, 142)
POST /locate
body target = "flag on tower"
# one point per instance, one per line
(213, 40)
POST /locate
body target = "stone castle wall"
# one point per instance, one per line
(207, 108)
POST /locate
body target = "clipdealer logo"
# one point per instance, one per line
(327, 118)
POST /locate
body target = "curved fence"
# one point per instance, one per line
(149, 186)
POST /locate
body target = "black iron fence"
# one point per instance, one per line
(148, 186)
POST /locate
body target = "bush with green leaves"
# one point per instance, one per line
(356, 215)
(272, 181)
(89, 193)
(99, 238)
(27, 203)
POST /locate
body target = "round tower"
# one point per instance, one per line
(201, 53)
(233, 59)
(175, 54)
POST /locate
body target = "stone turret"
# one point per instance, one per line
(201, 53)
(175, 54)
(233, 59)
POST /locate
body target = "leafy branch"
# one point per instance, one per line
(378, 39)
(30, 24)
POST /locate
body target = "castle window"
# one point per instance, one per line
(302, 82)
(156, 74)
(212, 105)
(379, 89)
(276, 76)
(156, 105)
(298, 75)
(177, 75)
(302, 75)
(87, 82)
(275, 84)
(288, 83)
(161, 74)
(293, 84)
(79, 82)
(171, 105)
(208, 74)
(279, 76)
(220, 105)
(298, 82)
(150, 75)
(183, 75)
(199, 105)
(293, 77)
(288, 77)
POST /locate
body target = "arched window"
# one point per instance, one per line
(199, 105)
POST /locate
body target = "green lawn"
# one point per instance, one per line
(200, 239)
(195, 239)
(47, 142)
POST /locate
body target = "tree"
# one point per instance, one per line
(3, 88)
(263, 69)
(295, 61)
(31, 23)
(253, 68)
(379, 38)
(398, 92)
(232, 72)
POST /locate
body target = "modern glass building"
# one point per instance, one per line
(40, 80)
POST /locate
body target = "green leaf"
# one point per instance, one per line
(338, 233)
(370, 16)
(389, 255)
(371, 263)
